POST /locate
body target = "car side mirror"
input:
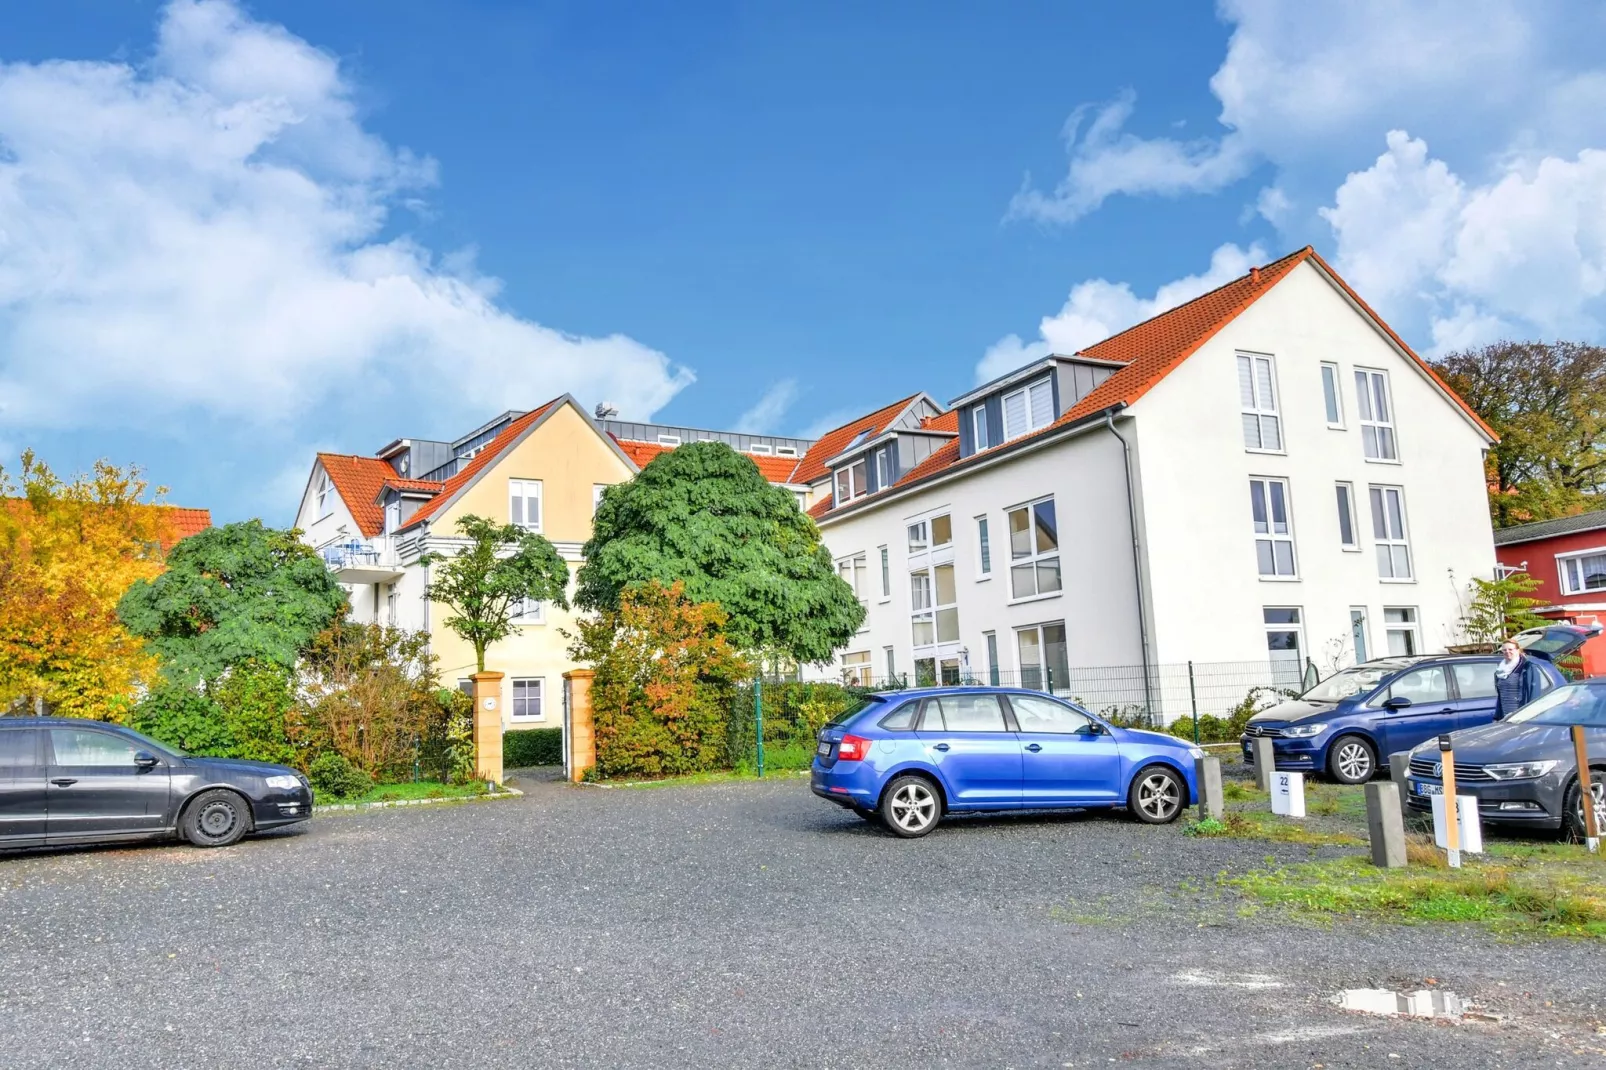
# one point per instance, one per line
(1092, 728)
(1397, 702)
(145, 760)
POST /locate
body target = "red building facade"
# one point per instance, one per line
(1568, 558)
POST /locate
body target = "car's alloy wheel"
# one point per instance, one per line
(216, 818)
(911, 806)
(1575, 810)
(1352, 761)
(1156, 796)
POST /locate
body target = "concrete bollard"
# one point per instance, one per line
(1385, 824)
(1212, 802)
(1399, 766)
(1265, 762)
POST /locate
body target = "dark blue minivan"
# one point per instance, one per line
(1347, 724)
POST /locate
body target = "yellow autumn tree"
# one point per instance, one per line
(68, 551)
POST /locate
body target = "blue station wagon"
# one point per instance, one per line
(1346, 725)
(910, 757)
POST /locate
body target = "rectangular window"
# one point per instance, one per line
(1335, 409)
(886, 574)
(984, 547)
(392, 517)
(992, 658)
(392, 606)
(1377, 415)
(1034, 550)
(942, 531)
(892, 665)
(1583, 572)
(1044, 662)
(524, 503)
(1346, 517)
(1028, 409)
(1274, 528)
(597, 490)
(883, 468)
(947, 604)
(529, 611)
(786, 451)
(759, 448)
(856, 668)
(923, 627)
(668, 440)
(855, 572)
(1285, 642)
(851, 481)
(326, 497)
(919, 537)
(527, 700)
(1388, 528)
(1357, 633)
(979, 423)
(1257, 396)
(1400, 631)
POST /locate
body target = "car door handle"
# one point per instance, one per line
(940, 746)
(64, 781)
(1034, 747)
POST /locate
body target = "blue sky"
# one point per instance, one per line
(233, 234)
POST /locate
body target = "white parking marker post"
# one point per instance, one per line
(1288, 794)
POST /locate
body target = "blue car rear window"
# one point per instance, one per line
(901, 719)
(852, 712)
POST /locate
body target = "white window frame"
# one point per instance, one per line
(892, 662)
(886, 573)
(1384, 535)
(1029, 395)
(392, 605)
(326, 497)
(513, 698)
(932, 528)
(1330, 377)
(1297, 627)
(520, 489)
(1035, 556)
(989, 643)
(919, 544)
(392, 516)
(1413, 627)
(1256, 408)
(597, 490)
(1361, 628)
(858, 480)
(1564, 574)
(1347, 490)
(762, 449)
(984, 549)
(857, 672)
(669, 440)
(921, 595)
(529, 611)
(786, 451)
(979, 437)
(1383, 430)
(1260, 490)
(855, 572)
(883, 467)
(1045, 680)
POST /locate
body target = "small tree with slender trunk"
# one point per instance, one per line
(485, 585)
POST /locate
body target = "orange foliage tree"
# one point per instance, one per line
(662, 689)
(68, 551)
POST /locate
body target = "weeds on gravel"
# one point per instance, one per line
(1547, 894)
(1255, 825)
(1241, 791)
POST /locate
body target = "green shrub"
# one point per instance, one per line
(241, 716)
(1212, 729)
(332, 774)
(532, 746)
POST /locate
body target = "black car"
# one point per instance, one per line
(67, 781)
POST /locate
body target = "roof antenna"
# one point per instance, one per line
(605, 410)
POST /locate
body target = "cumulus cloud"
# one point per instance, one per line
(204, 233)
(766, 413)
(1097, 308)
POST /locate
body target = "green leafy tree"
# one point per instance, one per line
(1547, 402)
(231, 595)
(703, 516)
(484, 584)
(1500, 608)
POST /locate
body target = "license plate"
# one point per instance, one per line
(825, 749)
(1420, 788)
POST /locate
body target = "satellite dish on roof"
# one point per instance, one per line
(605, 410)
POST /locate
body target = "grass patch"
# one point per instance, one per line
(1258, 825)
(1553, 892)
(1242, 791)
(418, 789)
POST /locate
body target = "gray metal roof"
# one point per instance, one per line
(1544, 529)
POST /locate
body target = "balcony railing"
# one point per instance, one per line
(361, 560)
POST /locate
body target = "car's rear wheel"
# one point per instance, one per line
(1157, 795)
(911, 806)
(1573, 823)
(216, 818)
(1351, 760)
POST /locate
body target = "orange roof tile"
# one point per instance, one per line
(432, 486)
(187, 522)
(948, 421)
(640, 453)
(358, 480)
(774, 469)
(482, 460)
(828, 445)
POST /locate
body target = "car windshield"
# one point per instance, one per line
(855, 709)
(159, 748)
(1341, 685)
(1583, 704)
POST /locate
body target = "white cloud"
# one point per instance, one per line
(1096, 309)
(203, 234)
(766, 413)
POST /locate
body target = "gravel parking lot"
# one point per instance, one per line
(742, 924)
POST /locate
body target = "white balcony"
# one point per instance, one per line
(363, 561)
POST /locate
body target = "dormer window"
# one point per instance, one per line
(786, 451)
(979, 418)
(669, 440)
(1031, 408)
(883, 467)
(392, 516)
(759, 448)
(852, 482)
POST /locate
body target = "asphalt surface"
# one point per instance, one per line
(731, 925)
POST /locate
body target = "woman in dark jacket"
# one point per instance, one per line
(1517, 681)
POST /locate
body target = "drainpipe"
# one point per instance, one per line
(1137, 562)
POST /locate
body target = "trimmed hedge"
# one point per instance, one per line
(532, 746)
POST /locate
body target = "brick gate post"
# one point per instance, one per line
(582, 738)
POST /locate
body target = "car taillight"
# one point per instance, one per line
(853, 749)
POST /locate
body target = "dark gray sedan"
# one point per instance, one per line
(67, 781)
(1523, 769)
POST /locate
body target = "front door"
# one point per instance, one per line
(1474, 693)
(1063, 760)
(96, 788)
(1431, 711)
(22, 787)
(966, 740)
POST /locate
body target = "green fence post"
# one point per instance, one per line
(758, 719)
(1193, 700)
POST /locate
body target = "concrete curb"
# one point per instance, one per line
(332, 808)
